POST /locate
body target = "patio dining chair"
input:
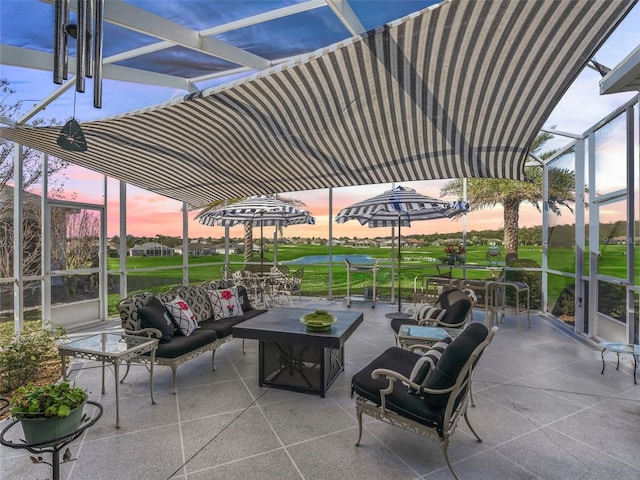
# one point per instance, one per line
(389, 388)
(226, 272)
(254, 284)
(290, 285)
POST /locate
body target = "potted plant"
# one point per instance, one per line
(48, 412)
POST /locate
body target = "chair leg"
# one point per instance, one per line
(174, 370)
(466, 419)
(243, 351)
(359, 414)
(445, 445)
(213, 356)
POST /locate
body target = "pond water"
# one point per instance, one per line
(310, 259)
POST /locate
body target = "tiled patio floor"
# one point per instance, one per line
(542, 408)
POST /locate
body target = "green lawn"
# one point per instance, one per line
(417, 261)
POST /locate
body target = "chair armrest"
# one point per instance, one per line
(450, 325)
(392, 376)
(145, 332)
(418, 346)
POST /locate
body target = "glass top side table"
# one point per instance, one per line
(621, 348)
(427, 336)
(113, 348)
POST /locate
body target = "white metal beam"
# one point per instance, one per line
(26, 58)
(264, 17)
(133, 18)
(347, 16)
(44, 103)
(624, 77)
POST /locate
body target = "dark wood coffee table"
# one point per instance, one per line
(294, 358)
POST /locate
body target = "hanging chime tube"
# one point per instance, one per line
(65, 45)
(88, 53)
(60, 68)
(81, 45)
(97, 56)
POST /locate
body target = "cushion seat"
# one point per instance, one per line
(224, 326)
(180, 345)
(400, 400)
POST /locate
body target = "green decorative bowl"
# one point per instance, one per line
(318, 321)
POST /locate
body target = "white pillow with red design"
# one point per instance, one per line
(182, 315)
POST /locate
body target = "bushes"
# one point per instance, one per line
(22, 358)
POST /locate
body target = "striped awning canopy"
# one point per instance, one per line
(257, 211)
(399, 207)
(457, 90)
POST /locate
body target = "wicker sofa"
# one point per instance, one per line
(210, 335)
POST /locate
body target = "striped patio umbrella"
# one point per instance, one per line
(398, 208)
(258, 211)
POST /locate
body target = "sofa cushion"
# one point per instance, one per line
(223, 327)
(183, 316)
(225, 303)
(179, 345)
(154, 315)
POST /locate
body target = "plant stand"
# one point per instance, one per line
(53, 447)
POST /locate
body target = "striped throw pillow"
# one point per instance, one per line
(431, 314)
(427, 364)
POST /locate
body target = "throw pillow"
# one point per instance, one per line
(245, 303)
(154, 315)
(183, 316)
(431, 314)
(427, 363)
(225, 303)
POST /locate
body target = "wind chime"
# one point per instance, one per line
(88, 35)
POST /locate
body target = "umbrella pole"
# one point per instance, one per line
(399, 313)
(261, 244)
(399, 270)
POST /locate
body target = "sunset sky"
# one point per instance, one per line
(150, 214)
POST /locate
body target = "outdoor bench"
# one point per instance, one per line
(210, 334)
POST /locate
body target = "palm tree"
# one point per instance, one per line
(489, 192)
(248, 228)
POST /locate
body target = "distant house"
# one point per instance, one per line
(197, 249)
(411, 243)
(151, 249)
(234, 247)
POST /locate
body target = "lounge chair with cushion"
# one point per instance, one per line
(388, 388)
(450, 311)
